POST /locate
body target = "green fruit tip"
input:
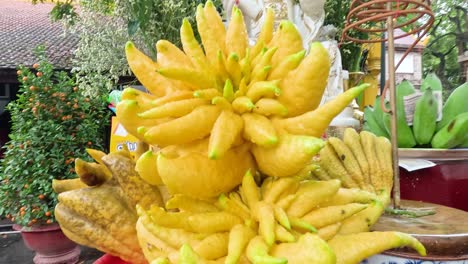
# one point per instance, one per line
(216, 100)
(213, 155)
(277, 91)
(300, 54)
(129, 45)
(148, 153)
(267, 68)
(269, 259)
(198, 94)
(234, 56)
(236, 11)
(209, 3)
(130, 102)
(248, 174)
(272, 141)
(141, 130)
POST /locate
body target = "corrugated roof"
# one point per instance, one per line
(24, 26)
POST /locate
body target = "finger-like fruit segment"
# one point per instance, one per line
(239, 237)
(288, 40)
(190, 127)
(259, 130)
(262, 89)
(147, 169)
(185, 203)
(266, 33)
(193, 77)
(242, 104)
(257, 252)
(287, 65)
(192, 48)
(270, 107)
(60, 186)
(310, 248)
(236, 35)
(314, 123)
(226, 130)
(310, 194)
(127, 113)
(174, 109)
(216, 23)
(169, 55)
(352, 139)
(144, 69)
(276, 161)
(363, 220)
(91, 173)
(349, 161)
(267, 223)
(345, 196)
(303, 87)
(356, 247)
(136, 189)
(329, 215)
(328, 232)
(330, 162)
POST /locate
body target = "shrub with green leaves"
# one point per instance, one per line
(52, 123)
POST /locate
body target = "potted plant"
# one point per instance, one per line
(52, 122)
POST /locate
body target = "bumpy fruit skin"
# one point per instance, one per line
(103, 216)
(100, 217)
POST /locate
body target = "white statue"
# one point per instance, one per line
(308, 16)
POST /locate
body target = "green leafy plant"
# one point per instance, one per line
(52, 124)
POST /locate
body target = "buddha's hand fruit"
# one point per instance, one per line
(103, 215)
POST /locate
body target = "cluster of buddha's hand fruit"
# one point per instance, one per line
(231, 167)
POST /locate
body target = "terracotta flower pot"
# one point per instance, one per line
(50, 244)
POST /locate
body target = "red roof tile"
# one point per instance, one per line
(24, 26)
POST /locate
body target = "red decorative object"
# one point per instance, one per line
(445, 184)
(50, 244)
(109, 259)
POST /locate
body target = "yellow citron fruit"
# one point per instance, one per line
(354, 248)
(310, 248)
(289, 156)
(228, 92)
(146, 166)
(187, 169)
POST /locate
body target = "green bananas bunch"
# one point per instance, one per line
(424, 130)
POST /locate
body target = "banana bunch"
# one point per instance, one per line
(425, 130)
(230, 97)
(284, 220)
(361, 160)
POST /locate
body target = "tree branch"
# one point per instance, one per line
(440, 37)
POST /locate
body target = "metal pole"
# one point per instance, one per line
(393, 107)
